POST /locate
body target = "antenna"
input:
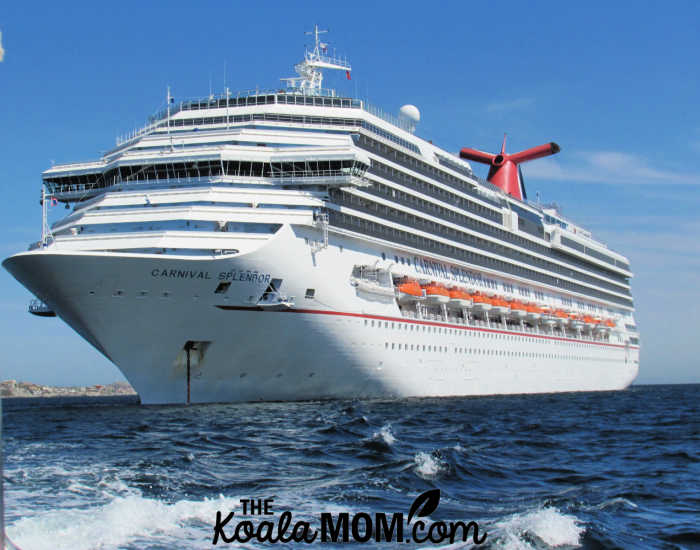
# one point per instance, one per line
(316, 32)
(228, 95)
(167, 100)
(310, 70)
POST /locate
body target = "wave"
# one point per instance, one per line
(122, 521)
(386, 434)
(429, 466)
(543, 526)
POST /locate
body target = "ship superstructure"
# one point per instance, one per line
(298, 244)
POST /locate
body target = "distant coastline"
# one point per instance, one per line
(13, 388)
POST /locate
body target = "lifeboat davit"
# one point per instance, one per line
(605, 326)
(436, 294)
(409, 291)
(548, 317)
(459, 298)
(481, 302)
(576, 321)
(518, 310)
(534, 313)
(599, 326)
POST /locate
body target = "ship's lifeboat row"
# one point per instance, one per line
(459, 298)
(436, 294)
(409, 290)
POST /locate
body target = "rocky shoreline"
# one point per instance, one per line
(13, 388)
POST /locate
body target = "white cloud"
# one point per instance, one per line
(510, 104)
(606, 167)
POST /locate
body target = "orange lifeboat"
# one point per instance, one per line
(409, 291)
(605, 326)
(518, 309)
(576, 321)
(562, 317)
(459, 298)
(534, 313)
(588, 320)
(599, 326)
(499, 305)
(436, 294)
(548, 317)
(481, 302)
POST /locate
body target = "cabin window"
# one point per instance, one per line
(310, 293)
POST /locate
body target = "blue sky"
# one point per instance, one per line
(616, 84)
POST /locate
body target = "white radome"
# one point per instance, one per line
(410, 112)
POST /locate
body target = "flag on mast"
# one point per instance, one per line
(347, 75)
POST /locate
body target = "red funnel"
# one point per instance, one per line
(503, 170)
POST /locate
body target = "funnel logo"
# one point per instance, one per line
(504, 170)
(360, 527)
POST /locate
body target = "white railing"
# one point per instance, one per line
(320, 177)
(160, 119)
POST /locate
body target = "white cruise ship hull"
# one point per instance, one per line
(141, 310)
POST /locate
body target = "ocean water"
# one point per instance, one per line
(588, 470)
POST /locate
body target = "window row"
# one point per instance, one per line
(393, 235)
(382, 211)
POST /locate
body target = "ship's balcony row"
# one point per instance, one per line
(466, 220)
(452, 232)
(388, 178)
(74, 192)
(424, 243)
(221, 196)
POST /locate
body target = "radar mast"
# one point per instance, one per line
(310, 70)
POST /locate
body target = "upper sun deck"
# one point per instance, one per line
(251, 98)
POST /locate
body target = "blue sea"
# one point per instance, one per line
(583, 470)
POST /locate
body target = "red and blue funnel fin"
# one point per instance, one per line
(504, 168)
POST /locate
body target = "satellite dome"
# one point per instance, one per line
(410, 112)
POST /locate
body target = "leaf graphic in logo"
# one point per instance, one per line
(425, 504)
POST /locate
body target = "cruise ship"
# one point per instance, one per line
(299, 244)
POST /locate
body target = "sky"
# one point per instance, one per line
(615, 84)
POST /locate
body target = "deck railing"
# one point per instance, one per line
(159, 119)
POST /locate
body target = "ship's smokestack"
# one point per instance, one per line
(503, 171)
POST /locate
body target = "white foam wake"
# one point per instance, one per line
(385, 434)
(427, 466)
(549, 525)
(123, 521)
